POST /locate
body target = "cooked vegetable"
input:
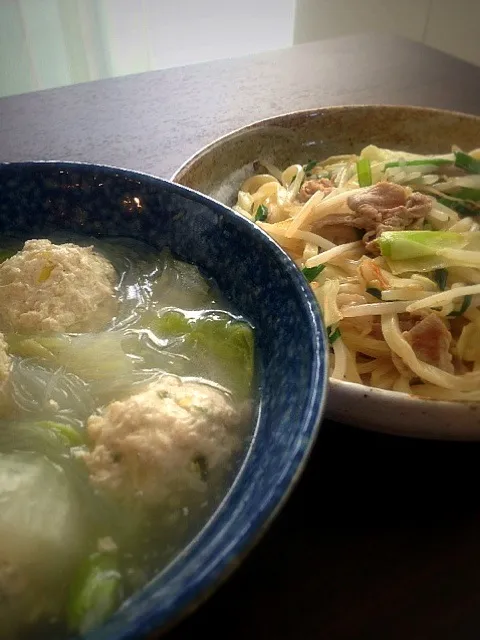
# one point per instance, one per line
(465, 193)
(311, 164)
(460, 206)
(41, 536)
(215, 338)
(376, 293)
(437, 162)
(466, 162)
(262, 211)
(171, 324)
(364, 172)
(405, 245)
(440, 276)
(311, 273)
(95, 593)
(50, 438)
(91, 356)
(464, 306)
(180, 284)
(333, 334)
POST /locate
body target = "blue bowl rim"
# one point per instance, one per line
(185, 601)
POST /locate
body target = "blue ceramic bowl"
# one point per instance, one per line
(41, 198)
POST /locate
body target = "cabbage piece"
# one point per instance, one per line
(170, 325)
(221, 344)
(181, 285)
(41, 537)
(53, 439)
(91, 356)
(97, 359)
(95, 593)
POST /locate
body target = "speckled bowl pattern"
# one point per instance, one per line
(38, 199)
(219, 169)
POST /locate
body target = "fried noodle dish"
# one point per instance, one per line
(390, 244)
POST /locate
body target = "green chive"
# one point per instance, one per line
(467, 194)
(311, 164)
(466, 162)
(465, 304)
(333, 335)
(437, 162)
(311, 273)
(376, 293)
(364, 173)
(440, 276)
(462, 208)
(262, 213)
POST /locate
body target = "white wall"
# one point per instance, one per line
(451, 26)
(157, 34)
(49, 43)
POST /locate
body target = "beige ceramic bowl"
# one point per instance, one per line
(219, 169)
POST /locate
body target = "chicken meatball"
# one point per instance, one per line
(5, 369)
(161, 444)
(49, 287)
(5, 363)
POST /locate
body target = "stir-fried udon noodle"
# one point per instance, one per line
(390, 243)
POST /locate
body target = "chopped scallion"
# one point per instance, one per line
(311, 164)
(376, 293)
(466, 162)
(364, 173)
(311, 273)
(465, 304)
(333, 335)
(261, 214)
(467, 194)
(463, 208)
(407, 245)
(437, 162)
(440, 276)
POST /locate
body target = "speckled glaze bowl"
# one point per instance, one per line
(42, 198)
(219, 169)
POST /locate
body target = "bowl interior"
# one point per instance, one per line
(39, 199)
(219, 169)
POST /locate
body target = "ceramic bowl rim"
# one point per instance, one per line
(311, 112)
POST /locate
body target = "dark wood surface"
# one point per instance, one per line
(381, 538)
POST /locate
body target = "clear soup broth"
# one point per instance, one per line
(126, 404)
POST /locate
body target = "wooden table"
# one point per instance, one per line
(381, 539)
